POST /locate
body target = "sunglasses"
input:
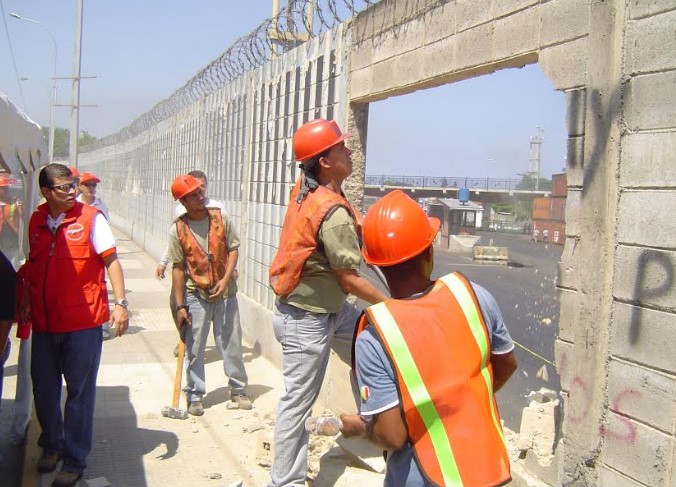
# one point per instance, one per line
(64, 187)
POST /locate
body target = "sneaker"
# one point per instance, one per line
(195, 408)
(66, 479)
(48, 462)
(242, 401)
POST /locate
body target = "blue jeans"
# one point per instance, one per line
(306, 344)
(224, 314)
(75, 357)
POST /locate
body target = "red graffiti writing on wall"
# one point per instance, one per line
(579, 389)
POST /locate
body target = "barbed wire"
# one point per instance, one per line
(297, 22)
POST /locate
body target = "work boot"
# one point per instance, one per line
(241, 401)
(48, 462)
(66, 479)
(195, 408)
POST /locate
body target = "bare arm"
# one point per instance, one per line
(119, 317)
(178, 292)
(386, 430)
(351, 282)
(222, 286)
(504, 366)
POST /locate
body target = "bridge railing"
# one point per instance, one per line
(442, 182)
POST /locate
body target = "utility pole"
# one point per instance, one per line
(285, 39)
(534, 156)
(53, 99)
(75, 104)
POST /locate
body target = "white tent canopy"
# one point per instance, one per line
(22, 145)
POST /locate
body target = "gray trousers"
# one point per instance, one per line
(306, 344)
(224, 314)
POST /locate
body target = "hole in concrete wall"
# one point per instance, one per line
(482, 134)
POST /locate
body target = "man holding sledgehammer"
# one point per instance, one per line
(203, 250)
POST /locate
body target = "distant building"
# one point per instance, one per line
(549, 213)
(457, 218)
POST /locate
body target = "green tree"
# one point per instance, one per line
(527, 183)
(62, 141)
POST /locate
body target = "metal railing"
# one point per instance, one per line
(442, 182)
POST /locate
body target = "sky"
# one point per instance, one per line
(143, 51)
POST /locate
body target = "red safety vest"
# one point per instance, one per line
(66, 276)
(299, 235)
(440, 349)
(205, 269)
(9, 214)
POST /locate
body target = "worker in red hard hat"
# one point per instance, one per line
(439, 423)
(203, 251)
(11, 212)
(88, 184)
(316, 267)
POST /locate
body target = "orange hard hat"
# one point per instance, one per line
(315, 137)
(85, 177)
(184, 185)
(4, 180)
(73, 169)
(396, 229)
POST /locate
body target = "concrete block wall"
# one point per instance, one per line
(615, 62)
(639, 427)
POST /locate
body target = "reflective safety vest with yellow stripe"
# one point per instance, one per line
(440, 350)
(9, 215)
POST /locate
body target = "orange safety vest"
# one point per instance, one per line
(205, 269)
(10, 215)
(440, 349)
(299, 235)
(67, 284)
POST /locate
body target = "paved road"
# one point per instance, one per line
(525, 291)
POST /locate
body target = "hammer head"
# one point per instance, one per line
(174, 413)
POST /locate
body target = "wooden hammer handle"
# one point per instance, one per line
(179, 374)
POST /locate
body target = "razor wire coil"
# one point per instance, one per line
(302, 19)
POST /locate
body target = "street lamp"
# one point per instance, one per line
(52, 103)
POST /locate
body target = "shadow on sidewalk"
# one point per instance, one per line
(11, 456)
(120, 445)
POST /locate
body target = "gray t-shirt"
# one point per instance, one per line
(375, 373)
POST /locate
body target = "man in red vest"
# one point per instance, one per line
(316, 267)
(70, 246)
(203, 249)
(428, 361)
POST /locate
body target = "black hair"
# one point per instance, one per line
(198, 174)
(51, 172)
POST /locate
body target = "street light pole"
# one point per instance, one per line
(53, 98)
(75, 103)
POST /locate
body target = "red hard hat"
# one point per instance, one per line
(315, 137)
(4, 180)
(184, 185)
(396, 229)
(76, 173)
(85, 177)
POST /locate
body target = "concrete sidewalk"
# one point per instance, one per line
(133, 444)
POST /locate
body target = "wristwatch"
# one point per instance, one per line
(181, 306)
(122, 302)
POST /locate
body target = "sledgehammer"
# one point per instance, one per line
(173, 411)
